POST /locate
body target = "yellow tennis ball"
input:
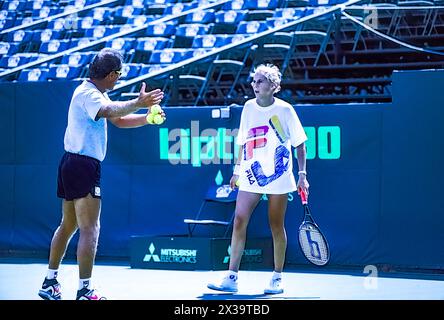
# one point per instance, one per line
(150, 118)
(237, 183)
(156, 109)
(158, 119)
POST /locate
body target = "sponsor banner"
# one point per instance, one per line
(184, 253)
(258, 254)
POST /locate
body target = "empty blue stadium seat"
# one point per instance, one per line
(189, 53)
(151, 43)
(124, 44)
(167, 56)
(135, 3)
(76, 59)
(80, 42)
(3, 14)
(45, 35)
(14, 60)
(8, 48)
(230, 16)
(33, 75)
(251, 27)
(163, 29)
(37, 4)
(146, 69)
(235, 5)
(236, 38)
(57, 24)
(197, 52)
(277, 22)
(100, 31)
(180, 7)
(16, 5)
(54, 46)
(289, 13)
(317, 3)
(191, 30)
(138, 21)
(206, 16)
(210, 41)
(87, 22)
(45, 12)
(36, 56)
(100, 13)
(148, 2)
(19, 36)
(7, 23)
(128, 11)
(261, 4)
(130, 70)
(82, 3)
(63, 71)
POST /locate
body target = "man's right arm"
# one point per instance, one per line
(118, 108)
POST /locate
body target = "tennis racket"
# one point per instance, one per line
(313, 243)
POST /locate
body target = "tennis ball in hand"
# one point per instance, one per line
(237, 183)
(158, 119)
(156, 109)
(150, 118)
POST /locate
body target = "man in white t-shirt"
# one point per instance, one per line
(269, 127)
(79, 170)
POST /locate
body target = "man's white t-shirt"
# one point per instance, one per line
(86, 135)
(267, 134)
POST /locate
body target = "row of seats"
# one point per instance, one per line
(66, 72)
(81, 24)
(25, 5)
(166, 29)
(71, 66)
(16, 12)
(56, 38)
(152, 46)
(196, 38)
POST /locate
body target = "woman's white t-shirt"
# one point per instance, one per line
(267, 134)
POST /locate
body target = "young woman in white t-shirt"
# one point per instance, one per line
(269, 127)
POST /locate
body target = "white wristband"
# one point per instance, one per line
(236, 169)
(302, 172)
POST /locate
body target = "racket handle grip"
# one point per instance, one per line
(303, 195)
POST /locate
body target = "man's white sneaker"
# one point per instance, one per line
(275, 286)
(227, 284)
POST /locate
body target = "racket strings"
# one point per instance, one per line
(313, 245)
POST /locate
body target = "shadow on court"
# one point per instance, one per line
(233, 296)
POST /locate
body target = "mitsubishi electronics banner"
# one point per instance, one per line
(202, 253)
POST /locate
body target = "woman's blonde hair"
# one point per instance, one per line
(272, 73)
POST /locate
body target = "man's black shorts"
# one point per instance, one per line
(77, 176)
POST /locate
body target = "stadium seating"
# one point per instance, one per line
(315, 56)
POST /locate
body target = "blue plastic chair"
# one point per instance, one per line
(221, 195)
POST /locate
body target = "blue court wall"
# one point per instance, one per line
(374, 171)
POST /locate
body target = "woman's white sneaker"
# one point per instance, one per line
(275, 286)
(227, 284)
